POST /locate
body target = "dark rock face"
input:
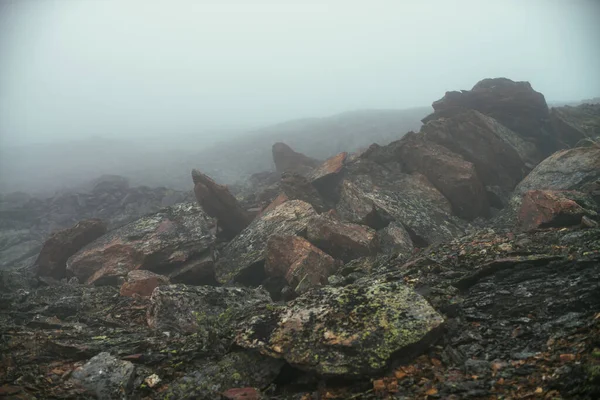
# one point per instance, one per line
(303, 265)
(327, 176)
(297, 187)
(514, 104)
(217, 202)
(549, 208)
(350, 331)
(287, 159)
(106, 377)
(159, 242)
(480, 140)
(63, 244)
(573, 125)
(454, 177)
(243, 258)
(344, 241)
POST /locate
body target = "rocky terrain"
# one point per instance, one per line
(460, 261)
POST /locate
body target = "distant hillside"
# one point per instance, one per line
(47, 167)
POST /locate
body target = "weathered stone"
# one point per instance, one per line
(303, 265)
(63, 244)
(106, 377)
(482, 141)
(348, 331)
(243, 258)
(246, 370)
(199, 271)
(287, 159)
(574, 125)
(297, 187)
(158, 242)
(279, 200)
(344, 241)
(327, 176)
(454, 177)
(547, 208)
(394, 239)
(219, 203)
(142, 283)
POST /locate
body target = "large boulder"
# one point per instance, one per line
(286, 159)
(63, 244)
(158, 242)
(243, 258)
(375, 195)
(491, 147)
(574, 125)
(298, 187)
(454, 177)
(550, 208)
(344, 241)
(326, 177)
(301, 264)
(219, 203)
(514, 104)
(349, 331)
(572, 169)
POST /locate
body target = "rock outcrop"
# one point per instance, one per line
(286, 159)
(298, 187)
(52, 260)
(158, 242)
(575, 125)
(219, 203)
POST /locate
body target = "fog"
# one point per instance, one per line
(189, 73)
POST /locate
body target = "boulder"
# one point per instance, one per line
(350, 331)
(394, 239)
(303, 265)
(327, 176)
(158, 242)
(483, 142)
(200, 271)
(454, 177)
(286, 159)
(298, 187)
(63, 244)
(375, 195)
(142, 283)
(219, 203)
(551, 208)
(572, 169)
(106, 377)
(243, 258)
(514, 104)
(574, 125)
(344, 241)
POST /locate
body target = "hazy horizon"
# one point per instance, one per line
(131, 69)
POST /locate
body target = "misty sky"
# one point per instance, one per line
(77, 68)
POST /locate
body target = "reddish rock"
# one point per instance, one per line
(242, 394)
(219, 203)
(454, 177)
(159, 242)
(548, 208)
(279, 200)
(302, 264)
(326, 178)
(287, 159)
(63, 244)
(344, 241)
(142, 283)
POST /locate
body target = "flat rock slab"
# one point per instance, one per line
(349, 331)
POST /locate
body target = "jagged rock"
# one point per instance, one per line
(303, 265)
(394, 239)
(454, 177)
(243, 258)
(235, 370)
(211, 313)
(573, 125)
(279, 200)
(159, 242)
(375, 195)
(482, 141)
(327, 176)
(200, 271)
(217, 202)
(298, 187)
(106, 377)
(349, 331)
(287, 159)
(142, 283)
(572, 169)
(550, 208)
(63, 244)
(344, 241)
(514, 104)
